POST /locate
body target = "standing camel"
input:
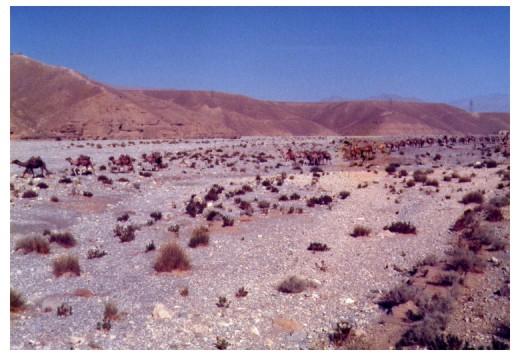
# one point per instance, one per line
(34, 162)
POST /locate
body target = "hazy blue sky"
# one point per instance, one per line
(282, 54)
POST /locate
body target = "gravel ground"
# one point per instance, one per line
(257, 252)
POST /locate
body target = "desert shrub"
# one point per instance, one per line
(360, 231)
(294, 284)
(464, 179)
(64, 310)
(223, 302)
(473, 197)
(66, 264)
(174, 228)
(399, 295)
(95, 253)
(212, 215)
(65, 180)
(184, 292)
(437, 157)
(500, 201)
(195, 207)
(171, 257)
(42, 185)
(65, 239)
(344, 194)
(247, 188)
(432, 182)
(242, 292)
(102, 168)
(144, 174)
(123, 218)
(318, 247)
(446, 279)
(33, 243)
(274, 189)
(246, 207)
(54, 199)
(227, 221)
(150, 247)
(17, 301)
(467, 219)
(420, 176)
(493, 214)
(157, 215)
(214, 193)
(283, 198)
(403, 173)
(322, 200)
(87, 194)
(490, 164)
(221, 343)
(430, 260)
(294, 197)
(401, 227)
(446, 178)
(125, 234)
(111, 312)
(341, 333)
(30, 194)
(199, 236)
(464, 261)
(410, 183)
(262, 204)
(392, 168)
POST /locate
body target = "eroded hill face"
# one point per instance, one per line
(51, 102)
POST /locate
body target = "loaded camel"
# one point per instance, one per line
(82, 160)
(34, 162)
(155, 160)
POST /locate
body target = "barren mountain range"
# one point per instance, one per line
(53, 102)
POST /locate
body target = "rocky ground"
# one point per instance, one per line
(263, 247)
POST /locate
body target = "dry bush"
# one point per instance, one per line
(344, 194)
(360, 231)
(42, 185)
(199, 236)
(446, 279)
(66, 264)
(465, 261)
(401, 227)
(500, 202)
(111, 311)
(157, 215)
(473, 197)
(33, 243)
(420, 176)
(341, 334)
(432, 182)
(125, 234)
(468, 218)
(242, 292)
(294, 284)
(399, 295)
(17, 301)
(318, 247)
(171, 257)
(30, 194)
(65, 239)
(464, 179)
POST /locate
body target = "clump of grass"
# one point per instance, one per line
(96, 253)
(294, 197)
(33, 243)
(294, 284)
(17, 301)
(473, 197)
(223, 302)
(318, 247)
(432, 182)
(157, 215)
(420, 176)
(397, 296)
(467, 219)
(174, 228)
(42, 185)
(401, 227)
(123, 218)
(66, 264)
(446, 279)
(344, 194)
(199, 236)
(410, 183)
(392, 168)
(64, 310)
(87, 194)
(54, 199)
(322, 200)
(227, 221)
(184, 292)
(65, 239)
(111, 312)
(360, 231)
(221, 343)
(65, 180)
(30, 194)
(171, 257)
(214, 193)
(150, 247)
(464, 179)
(242, 292)
(195, 207)
(263, 204)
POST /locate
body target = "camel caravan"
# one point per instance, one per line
(35, 162)
(313, 158)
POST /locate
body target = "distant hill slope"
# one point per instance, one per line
(497, 103)
(50, 102)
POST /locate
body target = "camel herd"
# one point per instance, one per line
(353, 149)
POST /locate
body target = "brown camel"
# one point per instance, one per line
(34, 162)
(123, 160)
(82, 160)
(155, 160)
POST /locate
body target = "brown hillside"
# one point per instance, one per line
(48, 102)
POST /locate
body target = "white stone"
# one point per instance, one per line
(161, 312)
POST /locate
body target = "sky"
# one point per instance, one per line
(301, 54)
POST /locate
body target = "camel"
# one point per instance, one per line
(82, 160)
(155, 160)
(290, 156)
(123, 160)
(33, 163)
